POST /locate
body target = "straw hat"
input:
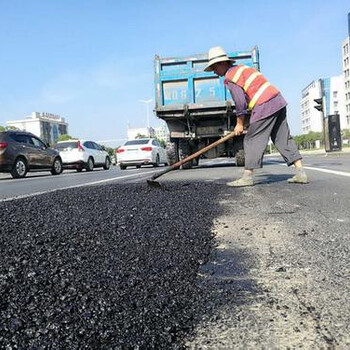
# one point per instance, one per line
(216, 54)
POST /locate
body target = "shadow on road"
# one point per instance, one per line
(222, 289)
(216, 165)
(271, 178)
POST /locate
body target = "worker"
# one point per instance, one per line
(252, 93)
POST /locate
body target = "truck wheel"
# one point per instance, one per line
(184, 152)
(240, 158)
(171, 152)
(195, 161)
(194, 149)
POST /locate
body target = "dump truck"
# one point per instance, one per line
(197, 107)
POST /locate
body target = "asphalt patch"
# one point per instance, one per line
(104, 267)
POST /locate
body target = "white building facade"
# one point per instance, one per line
(336, 98)
(162, 133)
(311, 119)
(133, 133)
(331, 90)
(346, 77)
(47, 126)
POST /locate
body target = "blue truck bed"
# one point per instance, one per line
(196, 106)
(181, 83)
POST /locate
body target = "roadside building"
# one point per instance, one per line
(132, 133)
(311, 119)
(332, 90)
(162, 133)
(346, 76)
(47, 126)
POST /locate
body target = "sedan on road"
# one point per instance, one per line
(22, 151)
(146, 151)
(83, 154)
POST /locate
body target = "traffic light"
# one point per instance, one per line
(319, 105)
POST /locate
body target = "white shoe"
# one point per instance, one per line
(242, 182)
(299, 179)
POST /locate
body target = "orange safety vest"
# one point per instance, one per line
(255, 85)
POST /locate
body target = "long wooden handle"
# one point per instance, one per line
(194, 155)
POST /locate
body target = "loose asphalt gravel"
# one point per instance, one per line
(104, 267)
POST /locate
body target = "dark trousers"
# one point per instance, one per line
(257, 138)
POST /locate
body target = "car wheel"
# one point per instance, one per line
(156, 164)
(90, 165)
(122, 167)
(138, 166)
(57, 167)
(19, 169)
(107, 164)
(79, 170)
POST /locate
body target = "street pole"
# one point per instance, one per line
(147, 102)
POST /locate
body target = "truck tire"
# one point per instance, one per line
(194, 149)
(195, 161)
(184, 152)
(171, 152)
(240, 158)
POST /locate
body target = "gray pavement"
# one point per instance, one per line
(274, 275)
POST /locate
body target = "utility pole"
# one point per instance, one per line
(147, 102)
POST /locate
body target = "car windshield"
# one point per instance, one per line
(64, 145)
(136, 142)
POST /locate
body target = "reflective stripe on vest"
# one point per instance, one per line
(238, 74)
(254, 84)
(250, 80)
(262, 88)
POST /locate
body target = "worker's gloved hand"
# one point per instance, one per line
(238, 130)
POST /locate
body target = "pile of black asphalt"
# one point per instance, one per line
(104, 267)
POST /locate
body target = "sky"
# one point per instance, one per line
(91, 61)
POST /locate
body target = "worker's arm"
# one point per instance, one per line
(238, 130)
(241, 105)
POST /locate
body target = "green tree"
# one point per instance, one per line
(110, 151)
(161, 142)
(4, 128)
(345, 133)
(141, 136)
(65, 137)
(307, 141)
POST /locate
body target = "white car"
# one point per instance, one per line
(141, 152)
(83, 154)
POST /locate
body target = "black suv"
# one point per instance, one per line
(21, 151)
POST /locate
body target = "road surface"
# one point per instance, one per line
(198, 265)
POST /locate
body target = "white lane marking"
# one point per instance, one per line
(45, 175)
(76, 186)
(329, 171)
(335, 172)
